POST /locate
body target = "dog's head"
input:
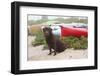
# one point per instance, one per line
(47, 31)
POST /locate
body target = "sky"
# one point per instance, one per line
(37, 17)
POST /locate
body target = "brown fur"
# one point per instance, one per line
(53, 43)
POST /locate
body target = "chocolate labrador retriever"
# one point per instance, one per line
(53, 42)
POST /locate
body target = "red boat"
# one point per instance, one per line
(74, 31)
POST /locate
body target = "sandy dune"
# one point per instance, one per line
(36, 53)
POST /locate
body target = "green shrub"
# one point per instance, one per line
(75, 43)
(70, 42)
(45, 47)
(39, 40)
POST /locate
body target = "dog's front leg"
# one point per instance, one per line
(55, 48)
(54, 52)
(50, 51)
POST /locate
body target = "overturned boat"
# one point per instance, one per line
(73, 31)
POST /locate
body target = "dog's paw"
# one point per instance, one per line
(49, 54)
(54, 54)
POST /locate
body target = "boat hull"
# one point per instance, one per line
(71, 31)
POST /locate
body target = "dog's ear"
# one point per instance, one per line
(42, 28)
